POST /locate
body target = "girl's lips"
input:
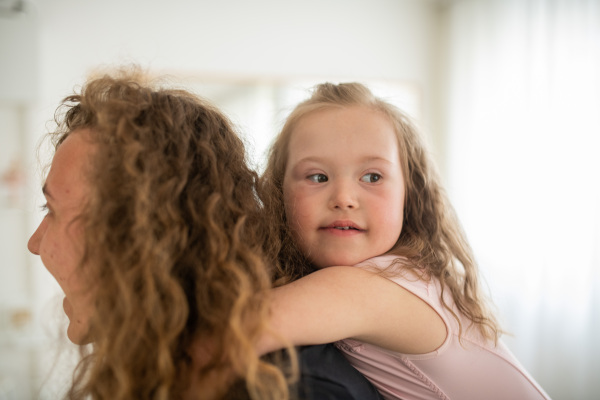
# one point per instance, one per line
(342, 228)
(343, 225)
(342, 232)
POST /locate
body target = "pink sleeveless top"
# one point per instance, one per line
(474, 369)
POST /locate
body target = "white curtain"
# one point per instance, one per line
(524, 174)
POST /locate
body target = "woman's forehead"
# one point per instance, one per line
(66, 181)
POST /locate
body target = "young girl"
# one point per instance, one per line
(349, 183)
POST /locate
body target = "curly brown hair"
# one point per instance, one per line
(432, 239)
(173, 245)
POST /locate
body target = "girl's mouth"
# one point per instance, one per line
(343, 226)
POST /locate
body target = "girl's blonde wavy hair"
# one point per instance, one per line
(173, 246)
(431, 239)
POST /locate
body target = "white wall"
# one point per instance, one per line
(523, 129)
(358, 39)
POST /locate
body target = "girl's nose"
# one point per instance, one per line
(343, 196)
(33, 245)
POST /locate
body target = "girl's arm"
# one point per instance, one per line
(346, 302)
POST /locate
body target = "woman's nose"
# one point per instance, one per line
(33, 245)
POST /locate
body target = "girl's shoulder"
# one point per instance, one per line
(401, 271)
(382, 262)
(393, 266)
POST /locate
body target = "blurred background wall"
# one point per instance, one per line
(507, 93)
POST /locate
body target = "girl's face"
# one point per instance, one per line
(58, 239)
(343, 185)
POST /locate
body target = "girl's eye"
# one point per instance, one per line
(370, 177)
(317, 178)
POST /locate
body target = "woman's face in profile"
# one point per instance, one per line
(58, 239)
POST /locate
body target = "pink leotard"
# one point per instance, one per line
(473, 369)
